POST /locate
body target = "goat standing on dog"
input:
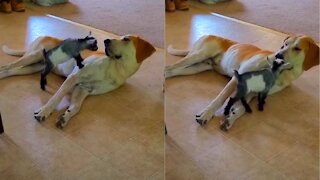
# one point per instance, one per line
(254, 82)
(67, 49)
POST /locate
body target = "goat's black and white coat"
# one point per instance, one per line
(67, 49)
(255, 82)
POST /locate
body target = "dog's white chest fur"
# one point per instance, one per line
(256, 84)
(58, 57)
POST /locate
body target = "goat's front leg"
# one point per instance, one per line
(79, 60)
(261, 100)
(44, 112)
(225, 124)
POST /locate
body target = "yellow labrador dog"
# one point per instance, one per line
(225, 56)
(102, 72)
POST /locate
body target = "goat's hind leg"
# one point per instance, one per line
(44, 74)
(225, 124)
(229, 105)
(246, 105)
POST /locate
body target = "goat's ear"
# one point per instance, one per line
(87, 37)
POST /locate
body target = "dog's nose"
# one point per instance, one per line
(107, 41)
(279, 56)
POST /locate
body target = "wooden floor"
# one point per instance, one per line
(118, 135)
(280, 143)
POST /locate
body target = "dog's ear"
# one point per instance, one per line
(143, 49)
(311, 54)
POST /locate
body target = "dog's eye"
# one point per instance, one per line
(282, 47)
(296, 49)
(126, 39)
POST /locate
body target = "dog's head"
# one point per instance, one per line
(128, 47)
(300, 49)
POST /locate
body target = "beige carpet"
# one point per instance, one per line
(288, 16)
(145, 18)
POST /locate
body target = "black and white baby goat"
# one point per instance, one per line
(67, 49)
(255, 82)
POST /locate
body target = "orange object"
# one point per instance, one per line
(181, 5)
(17, 6)
(170, 6)
(6, 6)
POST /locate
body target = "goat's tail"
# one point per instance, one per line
(236, 74)
(13, 52)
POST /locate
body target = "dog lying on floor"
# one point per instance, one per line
(102, 72)
(225, 56)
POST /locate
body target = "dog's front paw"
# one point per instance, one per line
(203, 117)
(168, 72)
(61, 122)
(41, 115)
(225, 124)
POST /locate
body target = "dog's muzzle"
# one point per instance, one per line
(107, 50)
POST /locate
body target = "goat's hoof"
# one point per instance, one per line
(43, 87)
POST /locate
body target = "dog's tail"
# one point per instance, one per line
(13, 52)
(177, 52)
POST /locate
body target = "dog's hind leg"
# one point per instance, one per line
(193, 69)
(22, 70)
(25, 60)
(77, 98)
(191, 59)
